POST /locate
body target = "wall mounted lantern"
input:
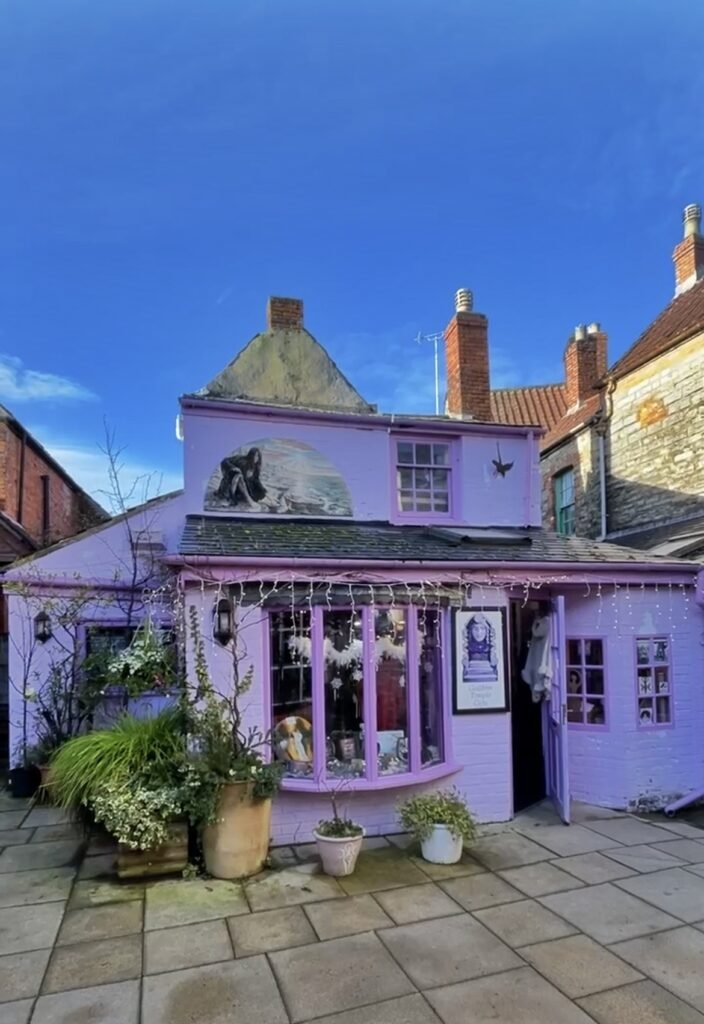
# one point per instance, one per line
(222, 624)
(42, 628)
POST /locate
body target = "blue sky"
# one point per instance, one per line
(168, 165)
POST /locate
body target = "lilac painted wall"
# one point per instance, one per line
(364, 456)
(624, 765)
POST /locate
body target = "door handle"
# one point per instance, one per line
(564, 714)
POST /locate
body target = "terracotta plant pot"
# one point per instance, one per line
(237, 845)
(339, 855)
(169, 859)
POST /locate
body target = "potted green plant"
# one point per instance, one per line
(441, 821)
(339, 841)
(131, 779)
(229, 781)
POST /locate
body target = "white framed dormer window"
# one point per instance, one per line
(563, 487)
(424, 477)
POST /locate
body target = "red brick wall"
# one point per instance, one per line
(585, 365)
(69, 510)
(467, 356)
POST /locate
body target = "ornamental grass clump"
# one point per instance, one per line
(419, 814)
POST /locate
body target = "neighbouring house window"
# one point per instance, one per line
(586, 697)
(563, 484)
(654, 681)
(107, 641)
(292, 690)
(423, 477)
(373, 675)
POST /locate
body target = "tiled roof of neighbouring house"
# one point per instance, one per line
(572, 421)
(682, 319)
(231, 537)
(542, 405)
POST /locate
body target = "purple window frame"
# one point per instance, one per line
(583, 667)
(651, 640)
(453, 494)
(319, 782)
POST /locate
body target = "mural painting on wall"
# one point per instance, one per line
(276, 475)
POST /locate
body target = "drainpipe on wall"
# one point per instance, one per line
(602, 426)
(20, 481)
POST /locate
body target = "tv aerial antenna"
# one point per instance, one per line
(435, 338)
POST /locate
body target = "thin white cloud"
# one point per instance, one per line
(19, 384)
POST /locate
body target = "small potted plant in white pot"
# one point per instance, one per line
(441, 821)
(339, 841)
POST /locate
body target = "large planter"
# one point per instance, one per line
(338, 855)
(23, 782)
(169, 859)
(441, 846)
(237, 844)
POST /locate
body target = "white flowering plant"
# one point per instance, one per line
(138, 817)
(147, 663)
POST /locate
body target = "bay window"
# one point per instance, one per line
(357, 693)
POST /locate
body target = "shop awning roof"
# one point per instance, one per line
(232, 537)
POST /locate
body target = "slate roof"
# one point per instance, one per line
(269, 538)
(542, 405)
(683, 539)
(682, 319)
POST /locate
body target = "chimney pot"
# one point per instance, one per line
(284, 314)
(580, 332)
(593, 328)
(692, 219)
(464, 300)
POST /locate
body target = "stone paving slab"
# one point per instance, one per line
(519, 924)
(630, 831)
(40, 855)
(565, 841)
(102, 865)
(270, 930)
(520, 995)
(579, 966)
(682, 829)
(11, 819)
(447, 950)
(178, 902)
(416, 903)
(105, 922)
(540, 879)
(675, 891)
(479, 891)
(467, 865)
(34, 927)
(583, 814)
(594, 868)
(337, 975)
(406, 1010)
(641, 1003)
(172, 949)
(102, 1004)
(382, 869)
(608, 914)
(17, 1013)
(290, 888)
(673, 959)
(94, 963)
(21, 975)
(508, 850)
(41, 816)
(92, 893)
(20, 888)
(14, 837)
(689, 850)
(51, 833)
(332, 919)
(644, 858)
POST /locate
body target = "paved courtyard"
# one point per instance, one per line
(602, 921)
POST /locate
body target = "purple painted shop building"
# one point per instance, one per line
(407, 621)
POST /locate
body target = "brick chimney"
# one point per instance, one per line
(467, 359)
(585, 362)
(689, 253)
(284, 314)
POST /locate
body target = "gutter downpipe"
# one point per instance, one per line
(602, 425)
(20, 481)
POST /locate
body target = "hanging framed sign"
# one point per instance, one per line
(480, 661)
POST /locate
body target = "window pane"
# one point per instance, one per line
(574, 652)
(441, 454)
(343, 680)
(406, 501)
(404, 451)
(423, 455)
(662, 709)
(574, 709)
(390, 660)
(440, 504)
(430, 684)
(593, 652)
(575, 683)
(423, 503)
(660, 652)
(595, 680)
(422, 479)
(291, 688)
(645, 712)
(440, 479)
(404, 479)
(662, 680)
(595, 712)
(645, 682)
(643, 652)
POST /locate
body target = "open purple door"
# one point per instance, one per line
(557, 776)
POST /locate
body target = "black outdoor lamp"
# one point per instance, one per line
(42, 627)
(222, 625)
